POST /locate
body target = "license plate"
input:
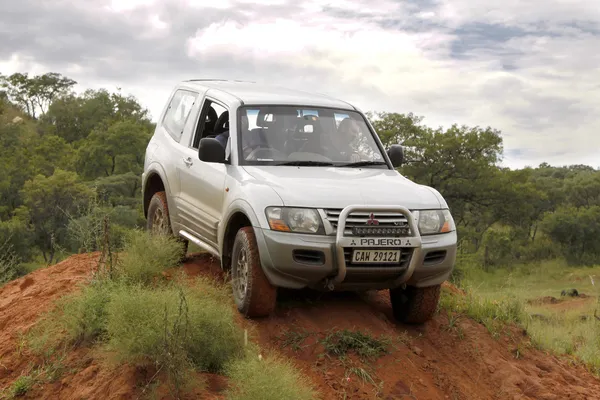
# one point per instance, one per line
(376, 257)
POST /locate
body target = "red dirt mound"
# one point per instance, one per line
(84, 376)
(543, 300)
(440, 360)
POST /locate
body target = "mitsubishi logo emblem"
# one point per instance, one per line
(372, 220)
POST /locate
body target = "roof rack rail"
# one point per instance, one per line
(217, 80)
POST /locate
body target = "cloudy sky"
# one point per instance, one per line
(530, 68)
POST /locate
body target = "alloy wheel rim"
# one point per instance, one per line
(158, 222)
(242, 274)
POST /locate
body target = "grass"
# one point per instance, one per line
(340, 343)
(173, 325)
(177, 326)
(147, 256)
(268, 378)
(294, 339)
(565, 327)
(21, 386)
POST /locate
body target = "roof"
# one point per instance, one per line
(258, 93)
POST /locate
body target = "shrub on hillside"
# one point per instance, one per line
(173, 325)
(78, 317)
(270, 378)
(146, 256)
(9, 263)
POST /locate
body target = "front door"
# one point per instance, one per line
(202, 184)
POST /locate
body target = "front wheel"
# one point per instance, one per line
(159, 222)
(253, 293)
(415, 305)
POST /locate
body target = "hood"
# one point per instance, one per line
(331, 187)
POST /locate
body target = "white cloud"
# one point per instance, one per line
(529, 69)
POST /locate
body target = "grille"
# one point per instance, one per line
(357, 221)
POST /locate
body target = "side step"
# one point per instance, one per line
(200, 243)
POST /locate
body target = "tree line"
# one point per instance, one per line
(69, 157)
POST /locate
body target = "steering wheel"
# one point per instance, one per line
(259, 150)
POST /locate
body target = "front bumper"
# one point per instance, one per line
(296, 261)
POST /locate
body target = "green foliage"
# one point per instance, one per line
(117, 149)
(577, 230)
(146, 256)
(21, 386)
(340, 343)
(9, 265)
(86, 233)
(16, 235)
(497, 248)
(35, 94)
(48, 202)
(50, 152)
(173, 325)
(269, 378)
(492, 313)
(75, 117)
(78, 318)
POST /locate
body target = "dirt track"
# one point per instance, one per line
(430, 362)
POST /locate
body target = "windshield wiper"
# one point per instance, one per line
(362, 163)
(306, 163)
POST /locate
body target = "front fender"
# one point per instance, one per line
(236, 206)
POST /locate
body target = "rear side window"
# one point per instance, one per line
(178, 112)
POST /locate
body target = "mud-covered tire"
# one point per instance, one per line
(159, 222)
(415, 305)
(253, 293)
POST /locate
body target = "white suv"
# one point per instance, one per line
(292, 189)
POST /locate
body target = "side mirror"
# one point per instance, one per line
(210, 150)
(396, 155)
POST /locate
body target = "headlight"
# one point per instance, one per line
(290, 219)
(432, 222)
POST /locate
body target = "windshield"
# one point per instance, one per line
(296, 135)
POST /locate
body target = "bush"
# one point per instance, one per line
(9, 264)
(271, 378)
(577, 231)
(87, 232)
(181, 326)
(21, 386)
(147, 256)
(78, 317)
(497, 248)
(15, 234)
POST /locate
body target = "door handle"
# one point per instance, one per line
(188, 161)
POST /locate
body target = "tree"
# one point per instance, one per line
(584, 189)
(48, 202)
(35, 94)
(50, 152)
(395, 128)
(117, 150)
(577, 231)
(75, 117)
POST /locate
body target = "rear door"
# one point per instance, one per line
(168, 148)
(202, 184)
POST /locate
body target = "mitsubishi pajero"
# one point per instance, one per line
(290, 189)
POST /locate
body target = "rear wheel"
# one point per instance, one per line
(158, 221)
(415, 305)
(253, 293)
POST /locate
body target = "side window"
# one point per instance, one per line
(178, 112)
(215, 121)
(339, 118)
